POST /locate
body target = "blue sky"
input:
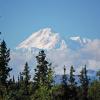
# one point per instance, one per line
(20, 18)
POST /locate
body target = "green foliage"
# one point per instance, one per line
(24, 84)
(26, 79)
(94, 90)
(64, 78)
(42, 93)
(72, 79)
(26, 73)
(4, 60)
(41, 70)
(50, 77)
(4, 69)
(84, 83)
(43, 78)
(43, 88)
(72, 85)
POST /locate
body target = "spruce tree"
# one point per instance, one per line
(26, 78)
(50, 76)
(4, 68)
(20, 81)
(65, 85)
(4, 60)
(84, 83)
(64, 77)
(42, 78)
(23, 92)
(41, 71)
(72, 85)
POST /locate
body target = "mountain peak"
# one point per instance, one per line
(45, 30)
(42, 39)
(80, 40)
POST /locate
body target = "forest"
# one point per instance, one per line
(42, 86)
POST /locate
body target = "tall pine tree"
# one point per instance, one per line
(26, 78)
(42, 78)
(41, 71)
(4, 60)
(65, 85)
(64, 78)
(4, 68)
(84, 83)
(72, 85)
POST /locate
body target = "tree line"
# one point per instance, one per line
(42, 86)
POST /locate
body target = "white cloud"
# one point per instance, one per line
(88, 53)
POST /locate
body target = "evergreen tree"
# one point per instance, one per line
(42, 78)
(26, 78)
(65, 85)
(22, 91)
(24, 84)
(72, 85)
(20, 82)
(84, 83)
(4, 60)
(41, 71)
(50, 76)
(4, 68)
(72, 78)
(64, 78)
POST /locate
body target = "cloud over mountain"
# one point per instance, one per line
(58, 51)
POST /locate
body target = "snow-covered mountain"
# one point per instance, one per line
(43, 39)
(80, 40)
(47, 39)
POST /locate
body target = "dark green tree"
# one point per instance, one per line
(22, 91)
(26, 78)
(41, 71)
(84, 83)
(50, 76)
(4, 68)
(65, 88)
(64, 77)
(42, 78)
(72, 85)
(72, 76)
(4, 60)
(24, 84)
(94, 90)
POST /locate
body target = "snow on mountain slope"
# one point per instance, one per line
(80, 40)
(42, 39)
